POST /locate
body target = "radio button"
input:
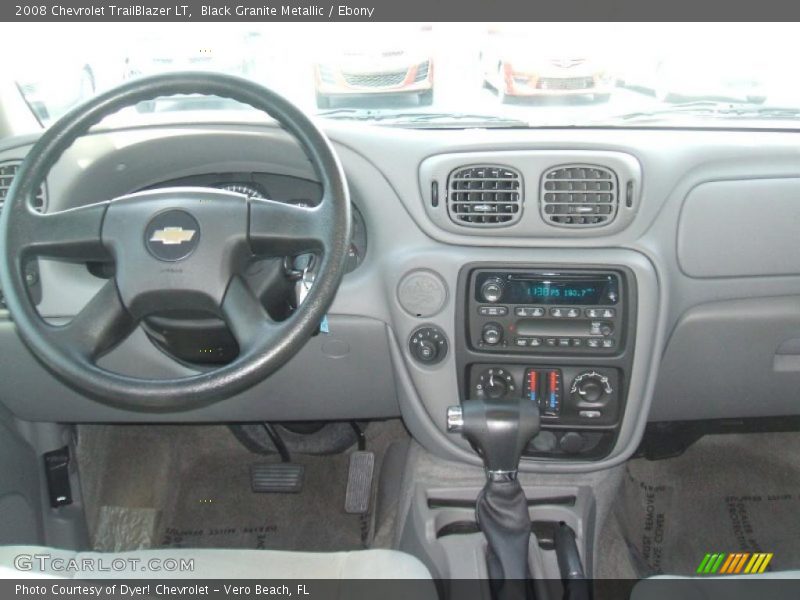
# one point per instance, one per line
(601, 328)
(593, 313)
(551, 342)
(609, 313)
(577, 342)
(529, 311)
(535, 342)
(573, 313)
(608, 343)
(557, 312)
(522, 342)
(593, 343)
(563, 342)
(493, 311)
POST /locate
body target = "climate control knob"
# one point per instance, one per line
(492, 334)
(492, 289)
(591, 386)
(495, 383)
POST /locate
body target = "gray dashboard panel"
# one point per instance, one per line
(731, 359)
(346, 374)
(383, 166)
(428, 391)
(741, 228)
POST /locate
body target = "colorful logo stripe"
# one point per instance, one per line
(734, 563)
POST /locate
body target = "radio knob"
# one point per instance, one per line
(492, 334)
(492, 289)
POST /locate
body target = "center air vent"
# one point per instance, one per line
(484, 196)
(579, 195)
(7, 172)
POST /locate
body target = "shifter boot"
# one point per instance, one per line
(502, 512)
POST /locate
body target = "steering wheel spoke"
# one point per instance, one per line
(74, 234)
(281, 229)
(247, 318)
(102, 324)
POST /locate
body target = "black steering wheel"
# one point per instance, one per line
(174, 248)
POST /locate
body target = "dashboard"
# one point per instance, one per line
(612, 276)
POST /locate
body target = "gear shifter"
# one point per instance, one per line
(500, 430)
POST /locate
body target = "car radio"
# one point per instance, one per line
(542, 311)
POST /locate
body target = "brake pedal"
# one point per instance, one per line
(277, 478)
(359, 483)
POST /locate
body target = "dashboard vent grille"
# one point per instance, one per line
(579, 195)
(8, 171)
(484, 196)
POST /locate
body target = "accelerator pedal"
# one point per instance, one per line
(359, 483)
(277, 478)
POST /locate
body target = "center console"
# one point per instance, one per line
(561, 338)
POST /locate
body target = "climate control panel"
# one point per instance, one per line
(575, 396)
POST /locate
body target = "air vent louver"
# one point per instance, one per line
(579, 196)
(484, 196)
(8, 171)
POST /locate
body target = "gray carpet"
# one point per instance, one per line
(189, 486)
(727, 493)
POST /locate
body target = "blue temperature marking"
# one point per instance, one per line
(553, 401)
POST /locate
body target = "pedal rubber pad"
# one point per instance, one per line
(359, 483)
(277, 478)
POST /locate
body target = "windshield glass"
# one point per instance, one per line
(435, 75)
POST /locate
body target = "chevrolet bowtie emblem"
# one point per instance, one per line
(172, 236)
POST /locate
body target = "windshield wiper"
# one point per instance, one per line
(714, 109)
(422, 119)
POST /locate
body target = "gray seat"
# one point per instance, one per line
(777, 585)
(18, 562)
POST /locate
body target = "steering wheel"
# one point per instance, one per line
(174, 248)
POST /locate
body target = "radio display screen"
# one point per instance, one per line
(560, 291)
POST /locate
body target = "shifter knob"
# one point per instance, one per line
(499, 429)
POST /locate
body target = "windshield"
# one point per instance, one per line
(435, 75)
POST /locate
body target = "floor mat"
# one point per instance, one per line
(197, 480)
(727, 493)
(213, 507)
